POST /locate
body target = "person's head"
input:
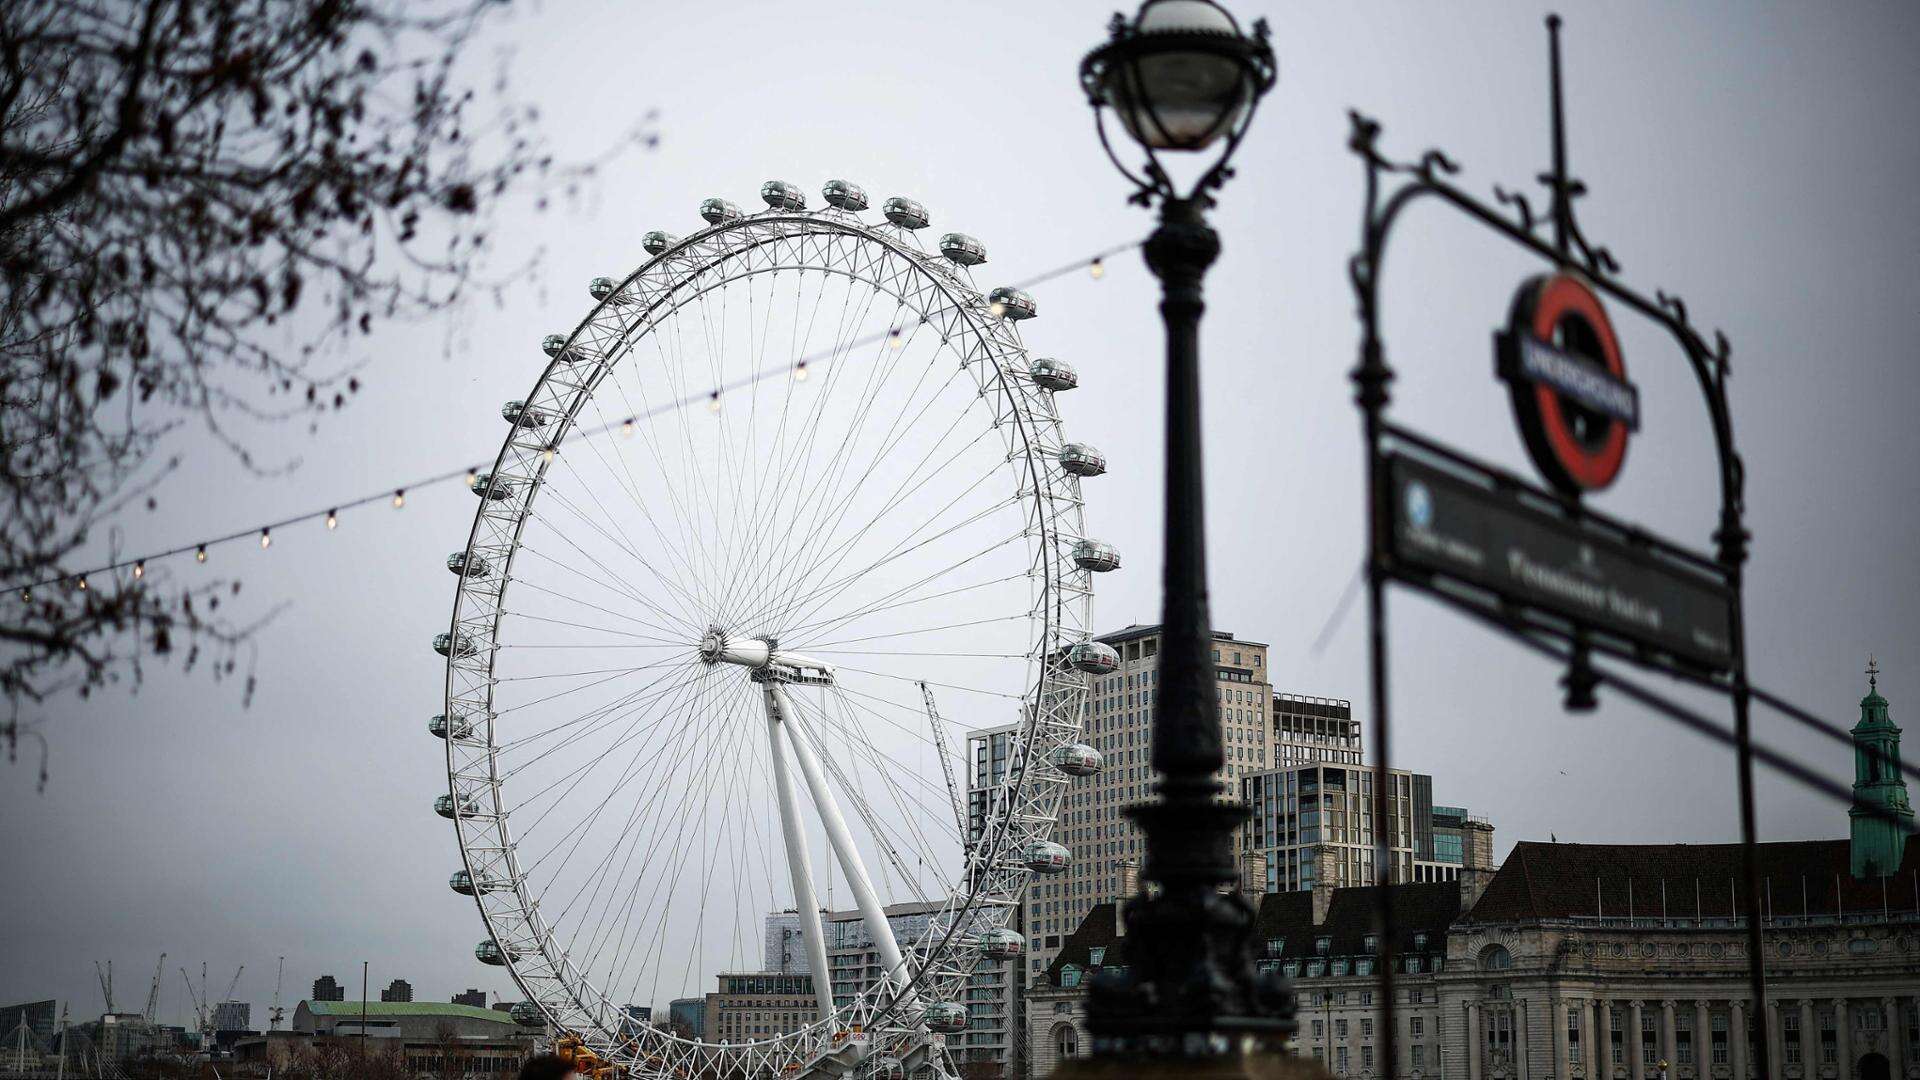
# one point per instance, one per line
(547, 1067)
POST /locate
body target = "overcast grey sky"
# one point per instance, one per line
(1757, 159)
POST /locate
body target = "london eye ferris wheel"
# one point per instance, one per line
(786, 484)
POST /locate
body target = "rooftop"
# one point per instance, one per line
(1288, 917)
(390, 1009)
(1808, 878)
(1140, 630)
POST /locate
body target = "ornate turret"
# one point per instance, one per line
(1877, 783)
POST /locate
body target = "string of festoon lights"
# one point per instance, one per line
(1094, 266)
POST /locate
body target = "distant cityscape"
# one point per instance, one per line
(1565, 961)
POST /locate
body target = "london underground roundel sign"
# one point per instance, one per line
(1561, 362)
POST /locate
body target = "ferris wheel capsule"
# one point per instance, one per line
(601, 287)
(553, 343)
(1077, 759)
(1094, 658)
(658, 241)
(945, 1017)
(905, 213)
(845, 195)
(463, 565)
(490, 952)
(1047, 857)
(719, 211)
(485, 486)
(1012, 303)
(1055, 375)
(526, 1014)
(1081, 459)
(461, 882)
(444, 807)
(780, 195)
(1001, 944)
(440, 727)
(520, 414)
(458, 645)
(963, 249)
(1095, 556)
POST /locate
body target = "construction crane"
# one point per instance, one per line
(199, 1000)
(106, 982)
(234, 983)
(275, 1014)
(153, 990)
(946, 763)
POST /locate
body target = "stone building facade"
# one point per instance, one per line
(1599, 961)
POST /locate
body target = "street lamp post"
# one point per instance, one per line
(1181, 78)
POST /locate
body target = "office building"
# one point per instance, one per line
(754, 1005)
(327, 988)
(397, 990)
(1119, 724)
(1315, 822)
(232, 1016)
(471, 997)
(687, 1017)
(39, 1018)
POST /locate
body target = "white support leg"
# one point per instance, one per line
(798, 862)
(843, 846)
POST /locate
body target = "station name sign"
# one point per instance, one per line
(1532, 557)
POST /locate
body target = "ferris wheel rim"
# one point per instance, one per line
(961, 298)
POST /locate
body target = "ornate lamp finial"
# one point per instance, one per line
(1873, 673)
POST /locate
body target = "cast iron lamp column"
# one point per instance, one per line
(1179, 77)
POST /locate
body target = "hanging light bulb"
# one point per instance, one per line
(80, 583)
(399, 498)
(266, 539)
(200, 553)
(895, 339)
(626, 427)
(26, 596)
(472, 477)
(800, 372)
(333, 520)
(713, 402)
(547, 455)
(997, 308)
(1097, 269)
(139, 569)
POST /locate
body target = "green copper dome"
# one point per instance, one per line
(1879, 791)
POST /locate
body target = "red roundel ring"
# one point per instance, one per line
(1573, 464)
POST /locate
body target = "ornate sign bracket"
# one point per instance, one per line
(1537, 563)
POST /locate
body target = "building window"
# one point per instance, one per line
(1066, 1040)
(1495, 958)
(1419, 1054)
(1322, 945)
(1617, 1040)
(1339, 1029)
(1790, 1035)
(1573, 1035)
(1416, 1026)
(1319, 1029)
(1340, 1059)
(1683, 1038)
(1719, 1040)
(1366, 1027)
(1366, 1057)
(1829, 1037)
